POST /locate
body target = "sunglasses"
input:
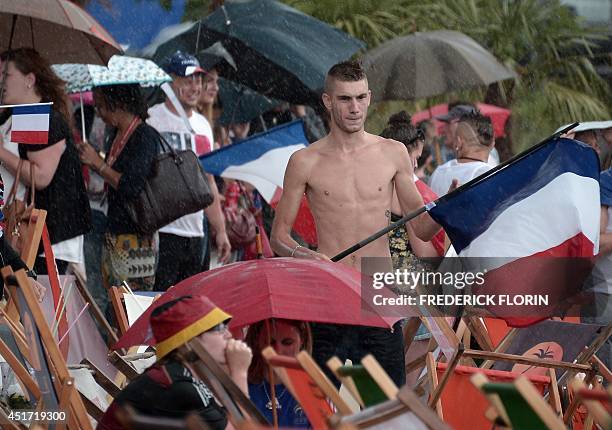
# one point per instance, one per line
(219, 328)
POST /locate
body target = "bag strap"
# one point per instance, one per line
(13, 192)
(121, 140)
(32, 183)
(167, 89)
(165, 145)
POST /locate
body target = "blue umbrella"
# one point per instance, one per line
(279, 51)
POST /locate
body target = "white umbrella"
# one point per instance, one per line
(121, 70)
(589, 125)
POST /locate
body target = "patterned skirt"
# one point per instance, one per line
(131, 258)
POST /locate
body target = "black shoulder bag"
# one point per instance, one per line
(177, 185)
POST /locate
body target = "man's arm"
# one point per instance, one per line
(409, 197)
(605, 239)
(294, 186)
(217, 222)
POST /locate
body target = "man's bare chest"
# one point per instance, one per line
(351, 183)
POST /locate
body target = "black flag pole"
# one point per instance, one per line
(378, 234)
(458, 190)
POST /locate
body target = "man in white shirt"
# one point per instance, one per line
(181, 243)
(456, 111)
(474, 140)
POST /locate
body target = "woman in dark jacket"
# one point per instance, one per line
(128, 255)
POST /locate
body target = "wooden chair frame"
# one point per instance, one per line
(599, 414)
(68, 397)
(406, 401)
(539, 406)
(374, 370)
(308, 364)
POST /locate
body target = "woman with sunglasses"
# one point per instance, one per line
(170, 388)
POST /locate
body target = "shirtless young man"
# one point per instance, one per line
(348, 177)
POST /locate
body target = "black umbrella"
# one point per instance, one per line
(279, 51)
(431, 63)
(242, 104)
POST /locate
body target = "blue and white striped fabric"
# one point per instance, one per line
(260, 160)
(30, 123)
(546, 204)
(527, 207)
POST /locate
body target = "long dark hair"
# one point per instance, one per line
(128, 98)
(48, 85)
(400, 128)
(258, 365)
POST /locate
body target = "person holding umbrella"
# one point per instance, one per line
(287, 337)
(128, 255)
(60, 189)
(169, 387)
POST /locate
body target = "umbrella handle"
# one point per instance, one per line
(83, 136)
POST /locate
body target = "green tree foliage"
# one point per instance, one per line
(550, 50)
(548, 47)
(372, 21)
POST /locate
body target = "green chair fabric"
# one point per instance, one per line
(520, 413)
(370, 392)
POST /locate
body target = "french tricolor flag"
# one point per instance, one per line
(261, 160)
(522, 217)
(30, 123)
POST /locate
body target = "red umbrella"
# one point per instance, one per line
(289, 288)
(498, 116)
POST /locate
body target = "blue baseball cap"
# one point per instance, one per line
(182, 64)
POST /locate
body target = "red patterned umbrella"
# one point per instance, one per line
(59, 29)
(289, 288)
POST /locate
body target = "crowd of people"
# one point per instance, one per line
(356, 184)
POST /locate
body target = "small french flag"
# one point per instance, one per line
(30, 123)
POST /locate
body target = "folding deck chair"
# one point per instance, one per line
(519, 404)
(598, 402)
(403, 412)
(308, 384)
(367, 382)
(458, 386)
